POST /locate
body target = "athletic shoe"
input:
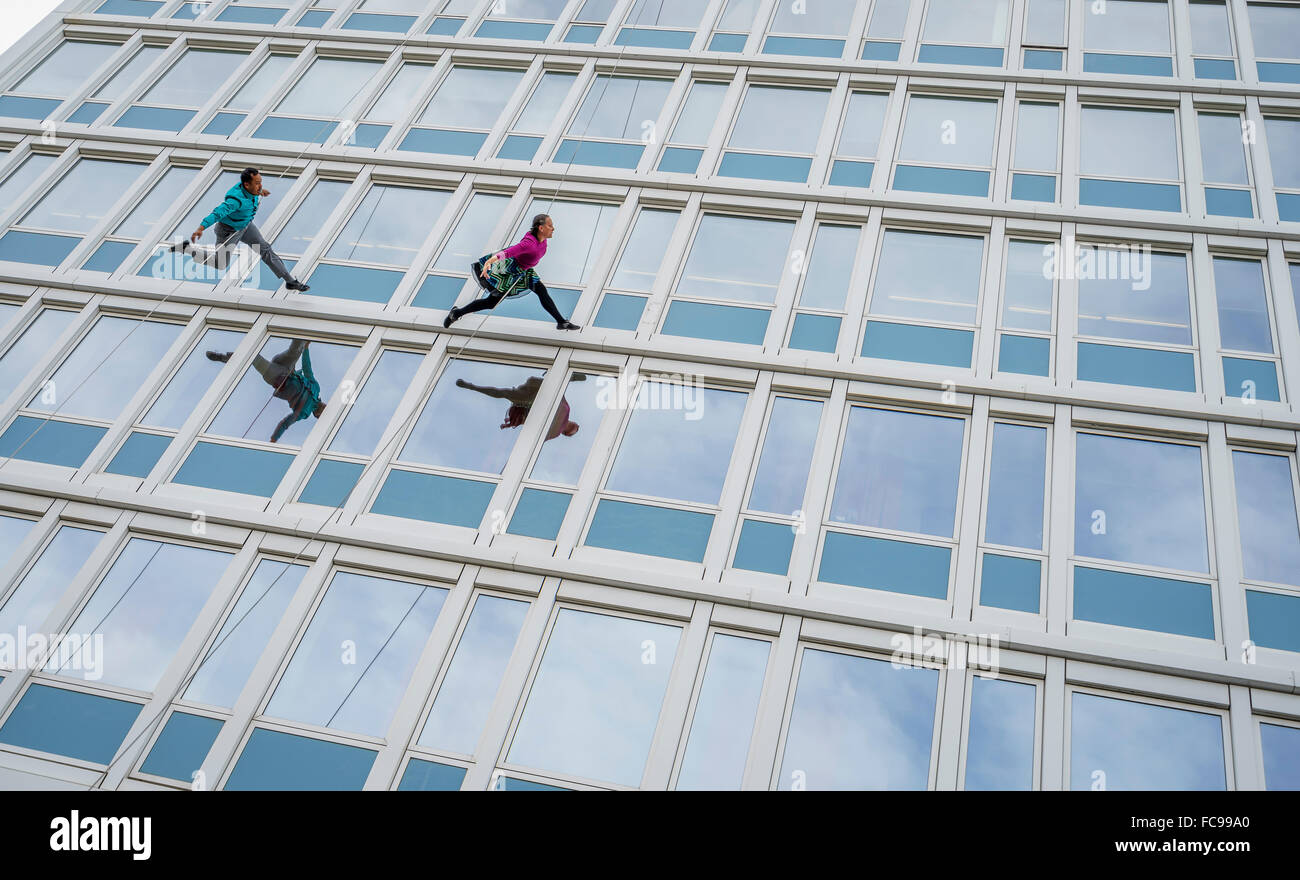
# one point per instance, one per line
(295, 284)
(179, 247)
(452, 317)
(567, 325)
(219, 357)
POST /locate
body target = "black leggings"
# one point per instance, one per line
(490, 302)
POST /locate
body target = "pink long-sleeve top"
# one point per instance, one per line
(528, 253)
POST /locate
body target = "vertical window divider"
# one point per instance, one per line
(675, 256)
(1181, 34)
(1234, 627)
(855, 306)
(1055, 709)
(817, 495)
(743, 456)
(970, 510)
(990, 304)
(670, 728)
(890, 135)
(1190, 145)
(857, 32)
(1247, 73)
(762, 767)
(953, 688)
(1277, 271)
(1206, 315)
(1058, 540)
(708, 20)
(1004, 145)
(1067, 313)
(830, 127)
(727, 115)
(1261, 163)
(805, 233)
(907, 51)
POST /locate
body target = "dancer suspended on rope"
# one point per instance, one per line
(298, 388)
(232, 221)
(521, 399)
(511, 273)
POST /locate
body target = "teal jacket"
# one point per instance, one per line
(236, 210)
(302, 391)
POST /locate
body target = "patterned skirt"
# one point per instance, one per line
(505, 278)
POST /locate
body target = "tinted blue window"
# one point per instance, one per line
(1274, 620)
(251, 14)
(445, 27)
(876, 50)
(530, 307)
(1281, 757)
(653, 531)
(1274, 71)
(845, 172)
(451, 143)
(438, 292)
(27, 108)
(510, 783)
(109, 256)
(354, 282)
(539, 514)
(87, 113)
(275, 761)
(765, 547)
(597, 153)
(1228, 202)
(188, 12)
(1288, 206)
(182, 746)
(1215, 68)
(1000, 748)
(429, 776)
(727, 43)
(1011, 582)
(1043, 59)
(1033, 187)
(138, 455)
(654, 39)
(815, 333)
(71, 723)
(49, 442)
(331, 482)
(951, 181)
(143, 8)
(1128, 194)
(433, 498)
(1144, 367)
(513, 30)
(314, 18)
(926, 345)
(808, 46)
(520, 147)
(1161, 749)
(709, 321)
(37, 248)
(155, 118)
(368, 135)
(583, 33)
(1136, 65)
(368, 21)
(1247, 378)
(1143, 602)
(792, 169)
(224, 124)
(979, 56)
(881, 564)
(681, 160)
(310, 131)
(1030, 355)
(234, 469)
(620, 312)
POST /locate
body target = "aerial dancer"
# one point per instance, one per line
(521, 399)
(511, 273)
(298, 388)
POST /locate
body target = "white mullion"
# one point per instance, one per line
(656, 304)
(953, 683)
(1181, 34)
(441, 228)
(1261, 162)
(1008, 116)
(802, 239)
(1284, 314)
(762, 763)
(731, 500)
(720, 133)
(1245, 745)
(1247, 73)
(967, 551)
(891, 135)
(1190, 144)
(1067, 313)
(1059, 545)
(817, 494)
(1234, 626)
(855, 305)
(1204, 298)
(1055, 740)
(985, 355)
(669, 731)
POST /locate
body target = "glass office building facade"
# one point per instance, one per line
(930, 423)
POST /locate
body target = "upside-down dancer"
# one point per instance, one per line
(511, 273)
(521, 399)
(298, 388)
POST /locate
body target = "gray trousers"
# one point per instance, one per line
(278, 369)
(228, 239)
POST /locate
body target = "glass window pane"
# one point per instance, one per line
(32, 347)
(545, 10)
(800, 112)
(470, 686)
(389, 226)
(782, 476)
(928, 276)
(328, 86)
(718, 744)
(1045, 23)
(665, 13)
(738, 15)
(191, 381)
(580, 232)
(679, 452)
(195, 78)
(1129, 143)
(1036, 142)
(1162, 749)
(65, 69)
(213, 196)
(13, 531)
(596, 10)
(899, 470)
(1000, 747)
(576, 420)
(1266, 516)
(1110, 305)
(966, 21)
(888, 19)
(120, 82)
(164, 195)
(144, 607)
(374, 407)
(107, 368)
(862, 124)
(1017, 481)
(47, 580)
(1284, 151)
(1276, 30)
(395, 100)
(261, 82)
(1140, 501)
(1243, 305)
(305, 224)
(1127, 26)
(229, 661)
(462, 424)
(83, 196)
(353, 664)
(617, 106)
(824, 18)
(1027, 293)
(594, 663)
(24, 176)
(540, 111)
(949, 131)
(1281, 746)
(700, 114)
(645, 250)
(1223, 152)
(1210, 29)
(843, 701)
(470, 237)
(826, 285)
(471, 97)
(712, 271)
